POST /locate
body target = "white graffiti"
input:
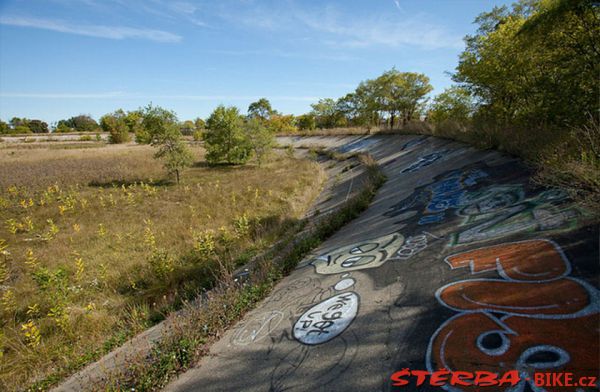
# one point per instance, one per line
(257, 328)
(411, 247)
(504, 210)
(326, 320)
(368, 254)
(423, 161)
(344, 284)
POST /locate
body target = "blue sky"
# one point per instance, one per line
(60, 58)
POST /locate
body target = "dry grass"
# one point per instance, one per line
(98, 255)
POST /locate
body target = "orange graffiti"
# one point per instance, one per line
(551, 321)
(523, 298)
(526, 260)
(479, 341)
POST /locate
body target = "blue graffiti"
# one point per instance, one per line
(436, 198)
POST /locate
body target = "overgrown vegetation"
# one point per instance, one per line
(91, 256)
(197, 326)
(531, 75)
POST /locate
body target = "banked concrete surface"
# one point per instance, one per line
(459, 263)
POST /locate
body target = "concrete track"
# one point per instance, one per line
(459, 263)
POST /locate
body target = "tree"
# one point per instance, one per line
(4, 128)
(187, 127)
(116, 125)
(260, 109)
(454, 104)
(325, 113)
(224, 138)
(260, 138)
(172, 150)
(534, 65)
(81, 123)
(200, 124)
(38, 126)
(134, 119)
(155, 121)
(62, 127)
(306, 122)
(402, 94)
(281, 123)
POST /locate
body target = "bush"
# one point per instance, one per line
(116, 126)
(306, 122)
(224, 138)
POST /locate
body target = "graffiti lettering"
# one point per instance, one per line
(549, 320)
(369, 254)
(504, 210)
(257, 328)
(327, 319)
(438, 197)
(423, 161)
(411, 247)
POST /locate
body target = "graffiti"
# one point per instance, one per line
(423, 161)
(356, 145)
(413, 143)
(504, 210)
(332, 362)
(344, 284)
(368, 254)
(257, 328)
(327, 319)
(412, 246)
(489, 212)
(444, 194)
(534, 318)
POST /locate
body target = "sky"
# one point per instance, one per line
(61, 58)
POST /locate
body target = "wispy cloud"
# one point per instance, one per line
(285, 54)
(398, 6)
(336, 28)
(110, 94)
(379, 30)
(128, 96)
(99, 31)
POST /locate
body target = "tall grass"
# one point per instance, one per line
(97, 246)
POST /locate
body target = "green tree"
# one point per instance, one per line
(260, 109)
(260, 138)
(116, 125)
(325, 113)
(200, 124)
(172, 150)
(81, 123)
(281, 123)
(224, 138)
(155, 121)
(402, 94)
(306, 122)
(453, 104)
(4, 128)
(134, 119)
(38, 126)
(535, 64)
(187, 127)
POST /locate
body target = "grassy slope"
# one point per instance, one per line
(123, 254)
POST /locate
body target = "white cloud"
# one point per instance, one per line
(126, 96)
(347, 30)
(112, 94)
(99, 31)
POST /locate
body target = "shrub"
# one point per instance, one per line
(224, 138)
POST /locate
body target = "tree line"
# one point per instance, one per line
(533, 65)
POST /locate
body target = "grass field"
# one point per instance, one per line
(97, 245)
